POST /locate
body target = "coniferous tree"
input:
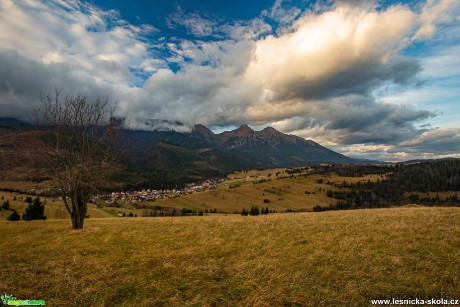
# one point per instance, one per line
(6, 205)
(35, 211)
(254, 210)
(14, 216)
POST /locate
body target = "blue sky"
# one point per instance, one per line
(371, 79)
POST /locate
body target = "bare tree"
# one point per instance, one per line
(80, 137)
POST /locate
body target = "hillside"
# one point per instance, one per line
(341, 258)
(265, 189)
(283, 190)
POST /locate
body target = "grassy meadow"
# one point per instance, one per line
(54, 209)
(241, 190)
(337, 258)
(283, 193)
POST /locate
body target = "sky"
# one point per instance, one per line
(374, 79)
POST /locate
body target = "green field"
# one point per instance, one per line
(341, 258)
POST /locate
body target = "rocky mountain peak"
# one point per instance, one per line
(243, 130)
(203, 130)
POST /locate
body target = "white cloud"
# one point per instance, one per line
(316, 78)
(194, 23)
(434, 13)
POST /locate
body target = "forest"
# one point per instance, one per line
(400, 184)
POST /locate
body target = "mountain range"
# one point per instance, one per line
(169, 156)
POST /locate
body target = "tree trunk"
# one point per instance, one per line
(78, 215)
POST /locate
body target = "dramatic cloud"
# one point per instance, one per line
(432, 144)
(322, 72)
(66, 45)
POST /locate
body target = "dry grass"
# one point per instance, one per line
(24, 185)
(332, 258)
(283, 194)
(54, 209)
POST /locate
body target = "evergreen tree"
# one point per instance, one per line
(254, 210)
(6, 205)
(35, 211)
(244, 212)
(266, 210)
(14, 216)
(29, 200)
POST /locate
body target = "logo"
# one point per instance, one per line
(11, 300)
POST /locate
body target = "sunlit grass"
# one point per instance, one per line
(282, 194)
(314, 259)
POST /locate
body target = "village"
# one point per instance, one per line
(149, 195)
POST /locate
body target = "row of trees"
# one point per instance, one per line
(160, 212)
(256, 211)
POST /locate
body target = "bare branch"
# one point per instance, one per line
(81, 139)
